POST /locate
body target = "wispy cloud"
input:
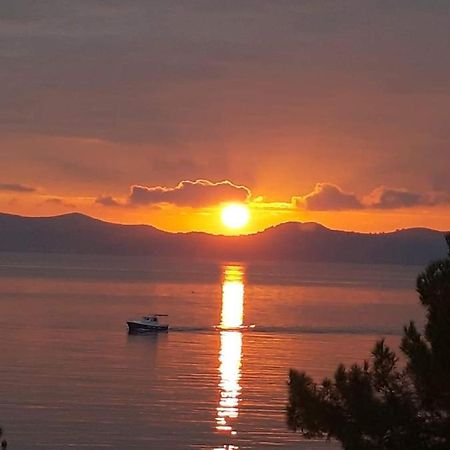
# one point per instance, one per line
(13, 187)
(59, 202)
(107, 200)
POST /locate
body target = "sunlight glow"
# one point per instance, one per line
(235, 215)
(230, 356)
(232, 315)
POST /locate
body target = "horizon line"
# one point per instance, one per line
(77, 213)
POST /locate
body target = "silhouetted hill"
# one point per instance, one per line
(77, 233)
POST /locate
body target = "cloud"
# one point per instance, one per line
(392, 198)
(324, 197)
(16, 187)
(197, 193)
(328, 197)
(59, 202)
(107, 200)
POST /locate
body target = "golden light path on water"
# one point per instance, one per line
(232, 316)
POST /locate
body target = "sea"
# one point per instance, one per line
(71, 377)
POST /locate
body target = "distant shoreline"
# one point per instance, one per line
(294, 241)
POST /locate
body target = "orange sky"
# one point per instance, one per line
(313, 111)
(180, 218)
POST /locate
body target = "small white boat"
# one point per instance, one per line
(147, 324)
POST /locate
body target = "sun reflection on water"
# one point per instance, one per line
(230, 373)
(232, 315)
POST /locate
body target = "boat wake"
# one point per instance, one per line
(261, 329)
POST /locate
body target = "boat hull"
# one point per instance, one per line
(141, 328)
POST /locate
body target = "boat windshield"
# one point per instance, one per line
(150, 318)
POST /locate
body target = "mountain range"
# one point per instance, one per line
(77, 233)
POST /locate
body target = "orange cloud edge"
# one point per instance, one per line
(195, 205)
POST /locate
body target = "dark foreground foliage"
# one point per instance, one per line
(3, 443)
(377, 405)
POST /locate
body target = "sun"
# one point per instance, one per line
(235, 215)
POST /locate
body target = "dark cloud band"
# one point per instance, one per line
(329, 197)
(16, 187)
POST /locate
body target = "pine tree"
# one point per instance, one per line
(379, 405)
(3, 443)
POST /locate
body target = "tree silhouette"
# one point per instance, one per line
(378, 405)
(3, 443)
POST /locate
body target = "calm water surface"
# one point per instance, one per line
(72, 378)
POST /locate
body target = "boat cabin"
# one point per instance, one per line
(151, 318)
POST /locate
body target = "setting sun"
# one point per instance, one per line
(235, 215)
